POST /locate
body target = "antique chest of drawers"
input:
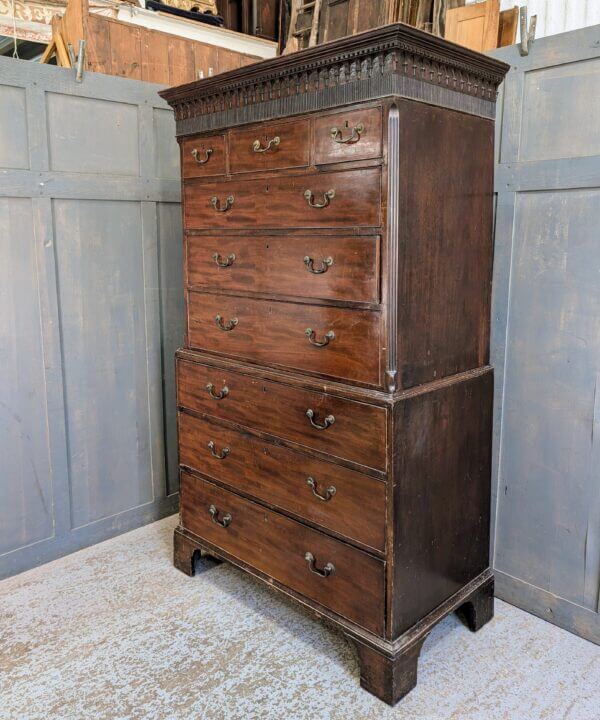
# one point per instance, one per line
(334, 392)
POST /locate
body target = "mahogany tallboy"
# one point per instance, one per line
(335, 393)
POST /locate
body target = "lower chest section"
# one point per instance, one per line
(289, 482)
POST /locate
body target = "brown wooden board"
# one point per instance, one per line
(155, 56)
(125, 50)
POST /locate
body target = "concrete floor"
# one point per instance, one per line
(115, 632)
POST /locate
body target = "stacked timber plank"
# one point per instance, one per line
(480, 26)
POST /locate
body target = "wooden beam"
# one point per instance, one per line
(73, 22)
(61, 49)
(48, 52)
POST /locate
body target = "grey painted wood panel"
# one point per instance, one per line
(569, 95)
(546, 333)
(90, 135)
(90, 303)
(101, 295)
(26, 513)
(14, 152)
(172, 314)
(549, 487)
(165, 144)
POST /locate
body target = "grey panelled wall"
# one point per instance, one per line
(91, 309)
(546, 332)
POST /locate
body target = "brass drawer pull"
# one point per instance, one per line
(224, 392)
(220, 456)
(327, 570)
(357, 130)
(327, 196)
(214, 514)
(228, 262)
(325, 265)
(229, 325)
(273, 142)
(207, 154)
(327, 495)
(311, 335)
(214, 201)
(329, 420)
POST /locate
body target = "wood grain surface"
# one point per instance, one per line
(275, 265)
(278, 476)
(274, 333)
(358, 433)
(280, 201)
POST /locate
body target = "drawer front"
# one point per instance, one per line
(358, 433)
(329, 268)
(277, 546)
(351, 198)
(353, 135)
(338, 499)
(203, 156)
(333, 341)
(269, 146)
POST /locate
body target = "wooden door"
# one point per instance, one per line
(474, 26)
(546, 333)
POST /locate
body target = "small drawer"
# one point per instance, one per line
(330, 341)
(334, 497)
(353, 135)
(357, 432)
(203, 156)
(269, 146)
(351, 198)
(324, 267)
(346, 580)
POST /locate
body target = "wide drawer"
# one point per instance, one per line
(325, 267)
(351, 135)
(332, 341)
(358, 432)
(346, 580)
(334, 497)
(351, 198)
(269, 146)
(203, 156)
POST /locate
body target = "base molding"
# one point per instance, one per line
(388, 668)
(556, 610)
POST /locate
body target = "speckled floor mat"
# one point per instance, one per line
(115, 632)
